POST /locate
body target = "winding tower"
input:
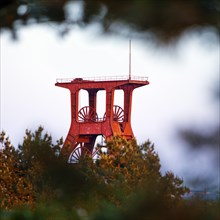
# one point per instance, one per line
(86, 124)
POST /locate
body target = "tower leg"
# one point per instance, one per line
(90, 145)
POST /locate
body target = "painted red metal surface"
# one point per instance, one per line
(85, 123)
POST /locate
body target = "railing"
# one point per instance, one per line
(102, 78)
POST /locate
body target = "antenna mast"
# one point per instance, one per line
(129, 59)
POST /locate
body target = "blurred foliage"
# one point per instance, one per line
(198, 139)
(202, 137)
(205, 137)
(123, 183)
(165, 19)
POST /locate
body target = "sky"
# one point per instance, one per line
(182, 80)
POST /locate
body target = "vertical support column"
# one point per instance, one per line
(127, 103)
(109, 103)
(106, 126)
(92, 98)
(74, 104)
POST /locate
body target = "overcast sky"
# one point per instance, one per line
(179, 94)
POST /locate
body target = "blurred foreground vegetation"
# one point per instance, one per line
(164, 20)
(124, 183)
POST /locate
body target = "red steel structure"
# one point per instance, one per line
(86, 125)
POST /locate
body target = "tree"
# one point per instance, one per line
(15, 190)
(23, 170)
(34, 173)
(37, 154)
(116, 176)
(123, 183)
(127, 169)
